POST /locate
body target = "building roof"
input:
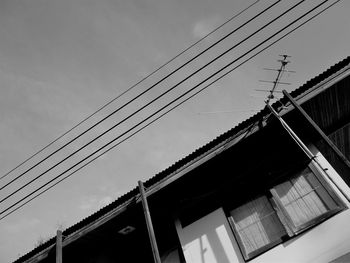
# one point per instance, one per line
(170, 171)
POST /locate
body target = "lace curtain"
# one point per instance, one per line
(303, 198)
(257, 225)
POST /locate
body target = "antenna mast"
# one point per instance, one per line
(280, 71)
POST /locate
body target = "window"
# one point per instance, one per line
(285, 210)
(257, 226)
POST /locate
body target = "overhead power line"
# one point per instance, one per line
(70, 155)
(143, 107)
(139, 95)
(194, 94)
(130, 88)
(140, 109)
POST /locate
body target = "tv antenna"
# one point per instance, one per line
(284, 61)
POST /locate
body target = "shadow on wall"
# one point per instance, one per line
(210, 240)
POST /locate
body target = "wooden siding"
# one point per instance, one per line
(341, 138)
(331, 109)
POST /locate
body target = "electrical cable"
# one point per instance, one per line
(52, 167)
(143, 107)
(142, 93)
(271, 44)
(131, 115)
(126, 91)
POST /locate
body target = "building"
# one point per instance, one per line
(268, 190)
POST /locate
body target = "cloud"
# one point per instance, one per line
(105, 201)
(204, 27)
(93, 203)
(21, 225)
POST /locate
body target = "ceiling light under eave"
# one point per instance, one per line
(126, 230)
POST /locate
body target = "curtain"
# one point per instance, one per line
(256, 225)
(303, 198)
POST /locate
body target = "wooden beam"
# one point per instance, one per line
(151, 234)
(306, 150)
(319, 131)
(319, 88)
(59, 246)
(152, 190)
(84, 230)
(178, 228)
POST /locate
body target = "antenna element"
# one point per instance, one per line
(277, 81)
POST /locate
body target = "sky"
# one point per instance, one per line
(62, 60)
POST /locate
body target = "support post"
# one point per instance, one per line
(334, 148)
(151, 234)
(59, 246)
(306, 150)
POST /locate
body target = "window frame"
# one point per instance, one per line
(240, 242)
(285, 220)
(337, 200)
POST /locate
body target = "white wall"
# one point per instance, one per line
(210, 239)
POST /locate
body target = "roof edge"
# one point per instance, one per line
(197, 154)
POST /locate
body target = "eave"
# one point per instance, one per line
(225, 141)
